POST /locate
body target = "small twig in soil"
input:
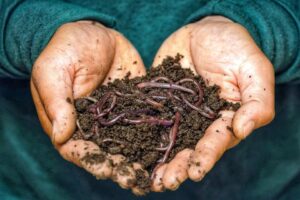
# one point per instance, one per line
(91, 99)
(112, 140)
(162, 148)
(159, 97)
(79, 127)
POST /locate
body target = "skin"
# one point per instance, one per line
(80, 56)
(85, 54)
(225, 54)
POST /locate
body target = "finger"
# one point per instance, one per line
(176, 171)
(116, 159)
(45, 121)
(124, 175)
(86, 154)
(216, 140)
(157, 183)
(178, 42)
(123, 172)
(126, 60)
(257, 88)
(142, 184)
(53, 86)
(58, 72)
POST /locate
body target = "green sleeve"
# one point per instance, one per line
(274, 25)
(26, 26)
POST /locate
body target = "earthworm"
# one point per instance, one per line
(165, 86)
(148, 100)
(152, 120)
(209, 110)
(200, 90)
(154, 103)
(175, 91)
(118, 93)
(102, 101)
(112, 121)
(84, 134)
(205, 114)
(161, 78)
(172, 137)
(171, 95)
(106, 111)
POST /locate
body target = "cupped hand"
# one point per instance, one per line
(223, 53)
(80, 56)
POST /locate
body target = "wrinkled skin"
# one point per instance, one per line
(223, 53)
(83, 55)
(79, 57)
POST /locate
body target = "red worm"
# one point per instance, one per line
(172, 136)
(200, 90)
(210, 115)
(154, 121)
(165, 86)
(112, 121)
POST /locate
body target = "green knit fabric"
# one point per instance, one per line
(274, 25)
(265, 166)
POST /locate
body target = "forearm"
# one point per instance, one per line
(27, 26)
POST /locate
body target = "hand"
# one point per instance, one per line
(79, 57)
(223, 53)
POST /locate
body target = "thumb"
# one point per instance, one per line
(256, 83)
(52, 94)
(58, 72)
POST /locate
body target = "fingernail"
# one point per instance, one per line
(248, 128)
(176, 185)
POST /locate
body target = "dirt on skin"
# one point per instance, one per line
(125, 118)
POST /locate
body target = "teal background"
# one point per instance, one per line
(265, 166)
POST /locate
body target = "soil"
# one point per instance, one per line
(131, 118)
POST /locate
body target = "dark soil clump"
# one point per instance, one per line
(149, 119)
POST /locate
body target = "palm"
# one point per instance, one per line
(79, 57)
(223, 53)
